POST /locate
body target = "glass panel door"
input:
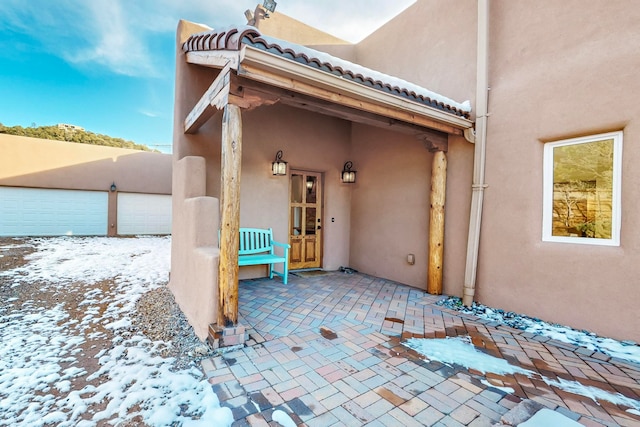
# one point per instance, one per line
(305, 220)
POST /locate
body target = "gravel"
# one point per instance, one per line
(159, 318)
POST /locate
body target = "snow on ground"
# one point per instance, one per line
(282, 418)
(546, 418)
(460, 351)
(624, 350)
(42, 344)
(507, 390)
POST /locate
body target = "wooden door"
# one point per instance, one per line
(305, 220)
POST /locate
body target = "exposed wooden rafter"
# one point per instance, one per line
(403, 112)
(215, 58)
(264, 78)
(214, 99)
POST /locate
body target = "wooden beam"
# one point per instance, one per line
(214, 58)
(436, 143)
(214, 99)
(231, 157)
(251, 91)
(436, 222)
(300, 78)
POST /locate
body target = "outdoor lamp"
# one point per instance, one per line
(270, 5)
(113, 187)
(309, 184)
(279, 166)
(348, 176)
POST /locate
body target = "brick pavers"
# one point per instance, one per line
(327, 350)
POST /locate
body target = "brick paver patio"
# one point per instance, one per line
(327, 351)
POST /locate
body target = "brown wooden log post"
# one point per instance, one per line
(436, 222)
(229, 216)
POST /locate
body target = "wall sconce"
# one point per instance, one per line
(279, 166)
(113, 187)
(309, 184)
(348, 176)
(270, 5)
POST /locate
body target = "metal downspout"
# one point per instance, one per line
(477, 195)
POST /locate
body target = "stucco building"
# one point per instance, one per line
(544, 188)
(53, 188)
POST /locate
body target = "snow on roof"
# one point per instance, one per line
(234, 37)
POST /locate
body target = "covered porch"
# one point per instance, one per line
(240, 98)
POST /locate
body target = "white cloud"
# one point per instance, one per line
(151, 114)
(351, 21)
(118, 34)
(116, 44)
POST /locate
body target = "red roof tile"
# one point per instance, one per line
(233, 39)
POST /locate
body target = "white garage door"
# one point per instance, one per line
(144, 213)
(47, 212)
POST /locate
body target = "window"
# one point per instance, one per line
(582, 190)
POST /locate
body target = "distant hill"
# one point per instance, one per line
(72, 134)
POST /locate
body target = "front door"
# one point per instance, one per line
(305, 220)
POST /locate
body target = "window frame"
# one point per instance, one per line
(548, 188)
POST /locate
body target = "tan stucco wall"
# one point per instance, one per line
(390, 207)
(32, 162)
(427, 55)
(432, 43)
(559, 69)
(43, 163)
(311, 142)
(286, 28)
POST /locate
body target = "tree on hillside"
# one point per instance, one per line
(72, 135)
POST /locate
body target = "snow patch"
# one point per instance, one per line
(40, 346)
(460, 351)
(624, 350)
(508, 390)
(546, 417)
(283, 418)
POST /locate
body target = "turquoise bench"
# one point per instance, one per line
(257, 248)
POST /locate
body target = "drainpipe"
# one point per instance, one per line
(477, 194)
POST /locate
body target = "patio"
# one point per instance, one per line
(326, 350)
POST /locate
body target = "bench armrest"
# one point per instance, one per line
(283, 245)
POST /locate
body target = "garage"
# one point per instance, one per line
(52, 212)
(144, 213)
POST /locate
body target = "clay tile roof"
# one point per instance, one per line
(233, 39)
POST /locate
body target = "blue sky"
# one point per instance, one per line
(108, 65)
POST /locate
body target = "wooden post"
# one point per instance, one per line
(436, 222)
(229, 216)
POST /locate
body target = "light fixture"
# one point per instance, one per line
(309, 184)
(279, 166)
(270, 5)
(113, 187)
(348, 176)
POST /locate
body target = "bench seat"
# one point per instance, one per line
(259, 259)
(257, 248)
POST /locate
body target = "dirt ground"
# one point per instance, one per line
(157, 316)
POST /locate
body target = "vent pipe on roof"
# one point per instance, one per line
(477, 194)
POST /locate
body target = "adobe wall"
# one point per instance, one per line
(41, 163)
(559, 70)
(398, 167)
(432, 43)
(555, 72)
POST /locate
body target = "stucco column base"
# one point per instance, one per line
(220, 337)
